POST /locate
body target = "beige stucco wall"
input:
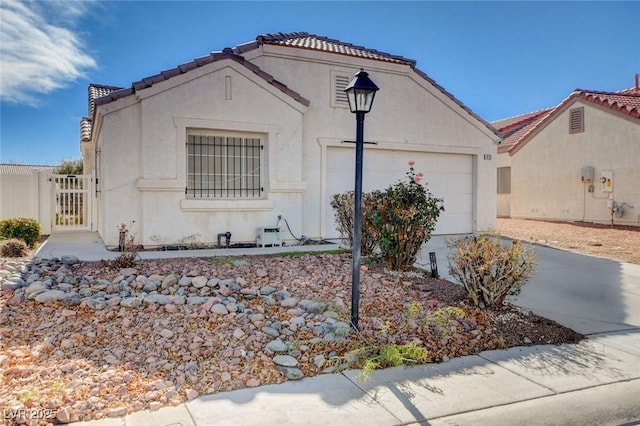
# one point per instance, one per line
(408, 114)
(142, 161)
(546, 171)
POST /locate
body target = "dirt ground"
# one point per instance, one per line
(612, 242)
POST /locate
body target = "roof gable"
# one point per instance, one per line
(299, 40)
(625, 102)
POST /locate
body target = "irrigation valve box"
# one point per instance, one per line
(606, 181)
(268, 237)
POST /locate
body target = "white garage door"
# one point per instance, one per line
(449, 177)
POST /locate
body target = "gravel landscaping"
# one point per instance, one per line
(84, 341)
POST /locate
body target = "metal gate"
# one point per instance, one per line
(72, 202)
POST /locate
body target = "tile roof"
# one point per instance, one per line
(300, 40)
(23, 169)
(513, 128)
(97, 91)
(226, 54)
(308, 41)
(85, 129)
(625, 102)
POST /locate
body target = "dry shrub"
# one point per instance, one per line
(14, 248)
(489, 270)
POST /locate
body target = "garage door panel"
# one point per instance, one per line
(448, 176)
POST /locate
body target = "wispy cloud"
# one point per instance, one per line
(39, 48)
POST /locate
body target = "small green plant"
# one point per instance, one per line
(224, 260)
(391, 356)
(488, 270)
(27, 230)
(14, 248)
(305, 253)
(440, 318)
(413, 309)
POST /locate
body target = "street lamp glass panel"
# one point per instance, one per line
(360, 92)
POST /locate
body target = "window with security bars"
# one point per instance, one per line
(576, 120)
(504, 180)
(223, 167)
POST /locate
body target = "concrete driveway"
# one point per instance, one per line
(587, 294)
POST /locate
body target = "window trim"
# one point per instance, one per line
(501, 190)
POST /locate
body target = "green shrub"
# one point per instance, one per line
(27, 230)
(488, 270)
(406, 213)
(396, 221)
(14, 248)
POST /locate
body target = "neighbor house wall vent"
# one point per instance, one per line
(576, 120)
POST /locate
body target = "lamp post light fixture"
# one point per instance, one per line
(360, 93)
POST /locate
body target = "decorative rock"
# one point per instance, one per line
(281, 295)
(285, 361)
(150, 286)
(130, 302)
(67, 313)
(277, 346)
(13, 284)
(213, 282)
(71, 299)
(252, 383)
(196, 300)
(232, 307)
(50, 296)
(319, 360)
(261, 273)
(117, 412)
(289, 302)
(271, 331)
(291, 373)
(95, 304)
(191, 394)
(185, 281)
(238, 333)
(314, 307)
(69, 260)
(199, 282)
(219, 309)
(267, 290)
(238, 262)
(167, 334)
(34, 287)
(169, 281)
(241, 281)
(299, 321)
(160, 299)
(128, 272)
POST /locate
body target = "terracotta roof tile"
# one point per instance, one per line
(295, 40)
(625, 102)
(97, 91)
(308, 41)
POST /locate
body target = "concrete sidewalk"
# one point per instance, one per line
(594, 382)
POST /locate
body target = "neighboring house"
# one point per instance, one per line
(25, 191)
(579, 161)
(234, 139)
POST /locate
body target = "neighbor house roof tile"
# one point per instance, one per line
(625, 102)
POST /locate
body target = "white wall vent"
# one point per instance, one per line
(339, 82)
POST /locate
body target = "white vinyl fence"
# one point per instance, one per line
(25, 191)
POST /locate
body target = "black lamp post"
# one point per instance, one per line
(360, 93)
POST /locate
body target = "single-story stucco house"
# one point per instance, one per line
(232, 140)
(578, 161)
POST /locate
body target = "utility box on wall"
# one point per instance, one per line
(606, 181)
(587, 174)
(268, 237)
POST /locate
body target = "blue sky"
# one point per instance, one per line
(499, 58)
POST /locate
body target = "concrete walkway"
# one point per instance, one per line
(594, 382)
